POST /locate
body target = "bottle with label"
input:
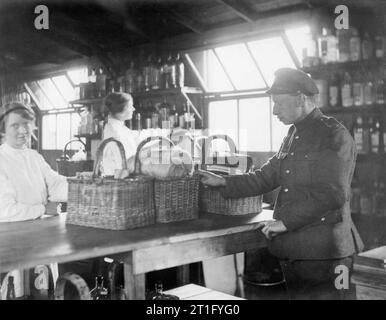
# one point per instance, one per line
(368, 89)
(148, 73)
(328, 46)
(99, 292)
(346, 91)
(101, 83)
(374, 135)
(180, 71)
(343, 36)
(11, 289)
(157, 74)
(130, 77)
(355, 45)
(333, 90)
(380, 88)
(138, 122)
(170, 71)
(367, 47)
(357, 90)
(380, 45)
(358, 134)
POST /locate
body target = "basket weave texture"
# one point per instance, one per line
(108, 203)
(212, 201)
(176, 199)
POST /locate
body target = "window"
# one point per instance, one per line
(236, 78)
(53, 95)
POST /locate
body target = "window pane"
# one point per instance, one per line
(63, 130)
(223, 120)
(216, 77)
(255, 124)
(240, 67)
(43, 102)
(78, 75)
(271, 54)
(279, 131)
(298, 38)
(65, 87)
(52, 94)
(49, 132)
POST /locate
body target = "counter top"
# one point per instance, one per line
(29, 243)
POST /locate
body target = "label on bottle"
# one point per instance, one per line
(358, 93)
(347, 100)
(355, 49)
(333, 93)
(375, 142)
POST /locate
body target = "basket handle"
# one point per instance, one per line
(99, 154)
(207, 142)
(138, 164)
(69, 142)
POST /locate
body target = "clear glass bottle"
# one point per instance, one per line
(343, 36)
(346, 91)
(368, 89)
(367, 47)
(180, 71)
(328, 46)
(333, 90)
(380, 88)
(99, 292)
(358, 134)
(375, 135)
(357, 89)
(379, 44)
(355, 45)
(130, 77)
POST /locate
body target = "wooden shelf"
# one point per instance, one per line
(374, 108)
(95, 136)
(145, 94)
(350, 65)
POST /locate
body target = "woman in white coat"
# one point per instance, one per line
(27, 183)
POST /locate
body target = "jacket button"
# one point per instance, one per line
(285, 190)
(287, 171)
(297, 137)
(323, 219)
(306, 156)
(291, 153)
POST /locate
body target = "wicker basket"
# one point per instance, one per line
(107, 203)
(176, 199)
(211, 199)
(69, 168)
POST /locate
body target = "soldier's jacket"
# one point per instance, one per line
(313, 169)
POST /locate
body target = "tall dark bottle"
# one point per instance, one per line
(11, 289)
(99, 292)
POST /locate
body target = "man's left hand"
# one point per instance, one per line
(272, 228)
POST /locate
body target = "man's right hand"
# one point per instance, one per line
(211, 179)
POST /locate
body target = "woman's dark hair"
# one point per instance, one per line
(115, 102)
(15, 107)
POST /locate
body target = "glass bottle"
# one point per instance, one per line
(357, 90)
(380, 45)
(159, 295)
(367, 47)
(157, 74)
(343, 36)
(99, 292)
(310, 52)
(368, 89)
(358, 134)
(355, 45)
(138, 123)
(180, 71)
(130, 77)
(375, 135)
(148, 73)
(333, 90)
(323, 92)
(346, 92)
(380, 88)
(11, 289)
(328, 46)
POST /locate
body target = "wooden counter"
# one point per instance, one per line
(27, 244)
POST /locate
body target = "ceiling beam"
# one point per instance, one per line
(186, 21)
(241, 9)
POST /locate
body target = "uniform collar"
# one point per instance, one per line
(115, 122)
(13, 151)
(308, 120)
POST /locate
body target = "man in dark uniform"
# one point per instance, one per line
(312, 233)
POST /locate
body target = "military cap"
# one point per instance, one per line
(292, 81)
(13, 106)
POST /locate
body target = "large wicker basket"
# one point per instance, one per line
(176, 199)
(108, 203)
(211, 199)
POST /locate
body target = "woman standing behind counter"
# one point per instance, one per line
(27, 182)
(120, 108)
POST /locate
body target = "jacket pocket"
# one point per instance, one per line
(304, 165)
